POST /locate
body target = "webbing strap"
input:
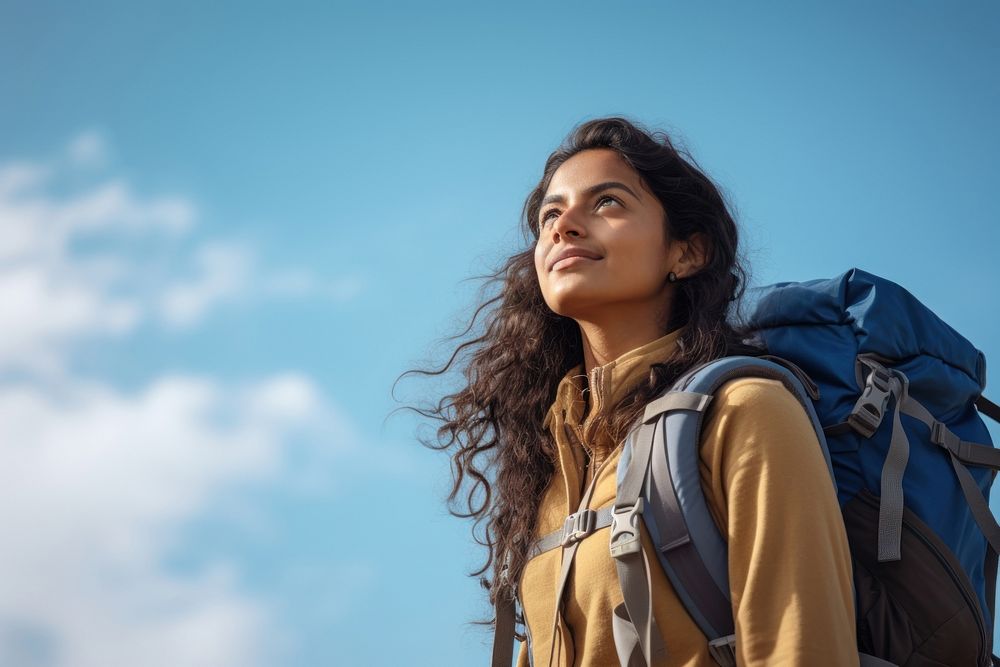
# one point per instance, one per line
(626, 639)
(569, 551)
(977, 504)
(631, 487)
(676, 400)
(990, 572)
(882, 385)
(638, 639)
(503, 632)
(971, 453)
(838, 429)
(988, 408)
(890, 511)
(942, 436)
(631, 562)
(567, 562)
(602, 519)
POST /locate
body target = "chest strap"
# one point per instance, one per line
(576, 527)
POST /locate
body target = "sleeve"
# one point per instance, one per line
(770, 491)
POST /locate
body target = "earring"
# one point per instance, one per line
(671, 277)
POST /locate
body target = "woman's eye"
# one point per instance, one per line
(548, 214)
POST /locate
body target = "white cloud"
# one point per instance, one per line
(223, 273)
(41, 309)
(98, 482)
(113, 206)
(228, 273)
(288, 398)
(39, 227)
(52, 294)
(21, 177)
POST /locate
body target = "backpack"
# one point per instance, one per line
(895, 397)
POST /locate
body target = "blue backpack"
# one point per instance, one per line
(895, 396)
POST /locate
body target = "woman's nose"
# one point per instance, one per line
(570, 223)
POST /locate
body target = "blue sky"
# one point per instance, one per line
(226, 231)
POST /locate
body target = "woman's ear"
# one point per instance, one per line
(695, 252)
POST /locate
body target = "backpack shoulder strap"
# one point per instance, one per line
(690, 547)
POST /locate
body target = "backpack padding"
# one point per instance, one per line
(676, 501)
(697, 574)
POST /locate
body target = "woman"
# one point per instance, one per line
(631, 273)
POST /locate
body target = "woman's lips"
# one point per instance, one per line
(571, 261)
(569, 252)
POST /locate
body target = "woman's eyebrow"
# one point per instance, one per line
(591, 190)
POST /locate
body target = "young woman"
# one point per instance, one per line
(631, 272)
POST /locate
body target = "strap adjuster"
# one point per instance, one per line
(504, 586)
(625, 538)
(942, 437)
(577, 526)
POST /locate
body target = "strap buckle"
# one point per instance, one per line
(723, 651)
(867, 414)
(504, 585)
(504, 578)
(577, 526)
(625, 538)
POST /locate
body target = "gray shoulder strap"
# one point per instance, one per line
(637, 637)
(690, 548)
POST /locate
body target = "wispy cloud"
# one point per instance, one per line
(222, 274)
(99, 481)
(51, 295)
(301, 284)
(117, 283)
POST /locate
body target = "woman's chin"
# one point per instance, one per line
(577, 305)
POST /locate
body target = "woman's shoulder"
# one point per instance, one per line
(748, 411)
(753, 394)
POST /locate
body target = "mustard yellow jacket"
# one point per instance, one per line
(770, 493)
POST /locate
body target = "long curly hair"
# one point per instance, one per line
(502, 458)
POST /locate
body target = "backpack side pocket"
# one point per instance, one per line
(920, 611)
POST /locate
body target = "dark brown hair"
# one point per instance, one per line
(502, 457)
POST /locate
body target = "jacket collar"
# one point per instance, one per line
(582, 401)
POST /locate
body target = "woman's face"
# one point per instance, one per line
(598, 207)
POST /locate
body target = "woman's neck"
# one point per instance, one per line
(605, 343)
